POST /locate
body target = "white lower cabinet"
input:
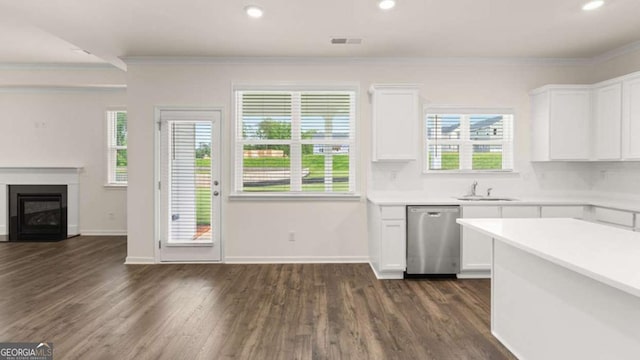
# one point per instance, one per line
(393, 245)
(575, 212)
(520, 212)
(387, 240)
(475, 247)
(614, 217)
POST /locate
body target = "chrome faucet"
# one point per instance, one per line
(474, 186)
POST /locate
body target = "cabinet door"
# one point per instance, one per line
(576, 212)
(520, 212)
(393, 244)
(615, 217)
(608, 117)
(569, 123)
(476, 247)
(396, 124)
(631, 119)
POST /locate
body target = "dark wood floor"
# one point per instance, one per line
(79, 295)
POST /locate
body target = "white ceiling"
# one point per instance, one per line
(113, 29)
(23, 43)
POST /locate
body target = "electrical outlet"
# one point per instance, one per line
(292, 236)
(603, 174)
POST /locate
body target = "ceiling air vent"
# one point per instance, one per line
(346, 41)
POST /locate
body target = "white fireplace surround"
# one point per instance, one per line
(69, 176)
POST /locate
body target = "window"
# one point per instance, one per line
(117, 147)
(468, 140)
(295, 142)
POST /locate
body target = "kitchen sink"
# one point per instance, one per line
(485, 198)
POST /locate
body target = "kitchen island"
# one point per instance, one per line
(563, 288)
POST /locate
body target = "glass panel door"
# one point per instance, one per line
(189, 186)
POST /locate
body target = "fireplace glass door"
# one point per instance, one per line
(40, 214)
(37, 212)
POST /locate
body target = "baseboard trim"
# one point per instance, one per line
(139, 260)
(396, 275)
(509, 347)
(295, 259)
(474, 275)
(104, 232)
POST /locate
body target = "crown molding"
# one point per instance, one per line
(60, 88)
(57, 66)
(205, 60)
(617, 52)
(320, 60)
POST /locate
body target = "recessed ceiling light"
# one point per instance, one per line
(592, 5)
(254, 11)
(386, 4)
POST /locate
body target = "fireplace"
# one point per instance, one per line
(37, 212)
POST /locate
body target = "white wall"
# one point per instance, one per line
(489, 86)
(44, 127)
(331, 229)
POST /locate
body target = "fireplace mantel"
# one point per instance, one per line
(41, 175)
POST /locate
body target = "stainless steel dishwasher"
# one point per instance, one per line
(433, 240)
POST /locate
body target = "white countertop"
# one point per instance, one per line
(603, 253)
(413, 198)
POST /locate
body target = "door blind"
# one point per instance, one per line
(188, 171)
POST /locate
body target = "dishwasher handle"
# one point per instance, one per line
(434, 211)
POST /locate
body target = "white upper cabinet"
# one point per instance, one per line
(631, 118)
(396, 122)
(560, 123)
(561, 128)
(607, 121)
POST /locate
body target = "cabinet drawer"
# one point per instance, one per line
(613, 216)
(520, 212)
(479, 212)
(393, 212)
(575, 212)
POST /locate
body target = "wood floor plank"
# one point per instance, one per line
(78, 294)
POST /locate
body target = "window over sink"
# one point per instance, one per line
(468, 140)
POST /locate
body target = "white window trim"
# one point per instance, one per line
(109, 183)
(353, 143)
(462, 143)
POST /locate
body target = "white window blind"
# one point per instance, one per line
(117, 147)
(295, 141)
(187, 175)
(467, 141)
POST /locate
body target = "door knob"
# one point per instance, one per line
(215, 182)
(215, 193)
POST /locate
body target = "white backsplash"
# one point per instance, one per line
(618, 179)
(532, 179)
